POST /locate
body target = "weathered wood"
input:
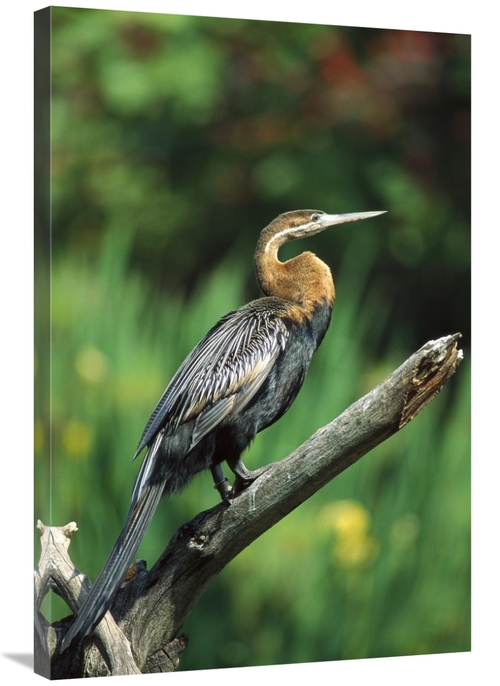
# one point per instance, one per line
(154, 604)
(56, 571)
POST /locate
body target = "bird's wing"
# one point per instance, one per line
(221, 375)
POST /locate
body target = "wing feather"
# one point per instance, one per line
(222, 374)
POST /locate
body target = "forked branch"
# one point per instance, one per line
(153, 605)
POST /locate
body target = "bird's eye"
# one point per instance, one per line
(315, 217)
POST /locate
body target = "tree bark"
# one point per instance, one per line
(153, 605)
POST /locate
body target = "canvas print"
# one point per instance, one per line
(252, 338)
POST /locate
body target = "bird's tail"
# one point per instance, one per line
(102, 593)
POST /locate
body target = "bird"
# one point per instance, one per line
(239, 379)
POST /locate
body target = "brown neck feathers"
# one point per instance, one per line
(304, 280)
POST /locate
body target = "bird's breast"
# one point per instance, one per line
(288, 374)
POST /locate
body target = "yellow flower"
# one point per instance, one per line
(346, 518)
(77, 438)
(355, 551)
(91, 364)
(350, 522)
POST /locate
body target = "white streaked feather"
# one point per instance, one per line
(146, 470)
(234, 358)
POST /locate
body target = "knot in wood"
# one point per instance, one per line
(198, 540)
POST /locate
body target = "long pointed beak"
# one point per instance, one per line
(332, 219)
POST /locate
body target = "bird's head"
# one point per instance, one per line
(291, 226)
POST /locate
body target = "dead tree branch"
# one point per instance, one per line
(152, 606)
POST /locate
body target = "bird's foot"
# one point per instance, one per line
(221, 484)
(225, 490)
(245, 478)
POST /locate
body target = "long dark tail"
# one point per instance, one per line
(102, 593)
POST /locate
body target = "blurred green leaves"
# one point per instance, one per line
(165, 125)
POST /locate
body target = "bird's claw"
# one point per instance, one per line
(246, 479)
(225, 490)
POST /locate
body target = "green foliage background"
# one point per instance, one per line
(175, 139)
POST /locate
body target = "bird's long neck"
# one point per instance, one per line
(304, 280)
